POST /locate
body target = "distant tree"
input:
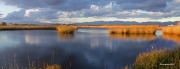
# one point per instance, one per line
(15, 24)
(3, 23)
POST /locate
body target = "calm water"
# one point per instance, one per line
(86, 49)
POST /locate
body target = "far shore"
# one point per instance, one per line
(53, 27)
(28, 27)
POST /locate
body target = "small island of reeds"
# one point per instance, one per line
(66, 29)
(133, 29)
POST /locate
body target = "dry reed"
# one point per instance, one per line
(133, 30)
(54, 66)
(11, 62)
(66, 29)
(28, 27)
(156, 58)
(171, 30)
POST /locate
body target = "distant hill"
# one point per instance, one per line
(122, 22)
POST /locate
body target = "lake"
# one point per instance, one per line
(85, 49)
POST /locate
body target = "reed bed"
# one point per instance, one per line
(133, 29)
(66, 29)
(171, 30)
(159, 59)
(11, 62)
(132, 36)
(28, 27)
(54, 66)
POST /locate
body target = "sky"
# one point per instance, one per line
(80, 11)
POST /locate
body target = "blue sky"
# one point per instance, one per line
(79, 11)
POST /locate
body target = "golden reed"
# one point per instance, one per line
(171, 30)
(133, 29)
(66, 29)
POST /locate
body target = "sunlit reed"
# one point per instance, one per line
(141, 29)
(28, 27)
(66, 29)
(158, 59)
(171, 30)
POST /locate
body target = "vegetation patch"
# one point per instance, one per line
(3, 23)
(134, 29)
(159, 59)
(171, 30)
(66, 29)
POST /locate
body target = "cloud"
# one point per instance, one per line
(1, 15)
(74, 5)
(60, 10)
(15, 15)
(148, 5)
(63, 5)
(32, 16)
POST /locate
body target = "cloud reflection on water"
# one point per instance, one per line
(84, 51)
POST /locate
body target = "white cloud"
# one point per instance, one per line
(27, 12)
(70, 11)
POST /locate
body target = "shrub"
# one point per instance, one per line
(3, 23)
(15, 24)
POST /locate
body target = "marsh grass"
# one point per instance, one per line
(66, 29)
(132, 36)
(127, 67)
(54, 66)
(171, 30)
(156, 58)
(136, 29)
(28, 27)
(11, 62)
(132, 31)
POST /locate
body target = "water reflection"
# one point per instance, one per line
(84, 51)
(31, 38)
(134, 37)
(172, 37)
(65, 37)
(94, 42)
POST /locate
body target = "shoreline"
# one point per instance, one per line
(53, 27)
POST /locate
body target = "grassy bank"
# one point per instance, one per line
(66, 29)
(171, 30)
(159, 59)
(133, 29)
(28, 27)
